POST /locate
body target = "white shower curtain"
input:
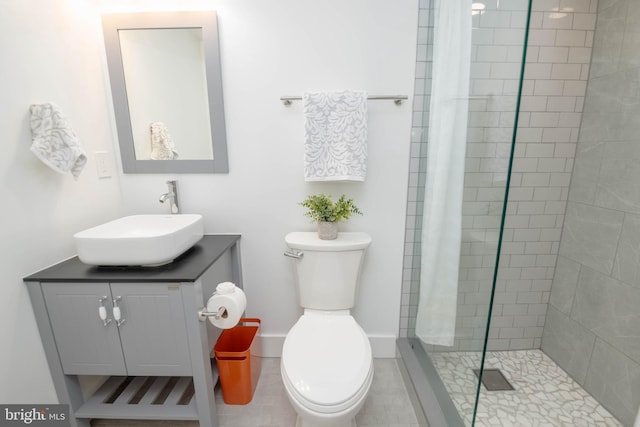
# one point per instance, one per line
(442, 218)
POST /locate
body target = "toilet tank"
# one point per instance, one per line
(327, 273)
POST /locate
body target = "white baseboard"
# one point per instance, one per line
(272, 345)
(382, 346)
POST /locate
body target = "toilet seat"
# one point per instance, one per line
(326, 361)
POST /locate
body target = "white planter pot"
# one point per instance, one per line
(327, 230)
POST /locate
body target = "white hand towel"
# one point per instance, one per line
(53, 140)
(335, 136)
(162, 146)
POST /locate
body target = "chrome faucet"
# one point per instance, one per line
(171, 195)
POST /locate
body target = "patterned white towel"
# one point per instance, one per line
(54, 142)
(335, 136)
(162, 146)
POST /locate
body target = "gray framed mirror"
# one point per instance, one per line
(166, 84)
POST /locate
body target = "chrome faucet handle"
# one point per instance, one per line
(172, 196)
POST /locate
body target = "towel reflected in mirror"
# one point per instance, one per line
(162, 145)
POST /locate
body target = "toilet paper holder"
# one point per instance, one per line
(225, 306)
(203, 314)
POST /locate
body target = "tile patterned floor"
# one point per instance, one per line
(387, 405)
(544, 394)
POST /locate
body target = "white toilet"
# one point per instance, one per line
(327, 367)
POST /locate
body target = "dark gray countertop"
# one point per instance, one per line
(188, 267)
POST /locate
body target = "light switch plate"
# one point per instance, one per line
(103, 164)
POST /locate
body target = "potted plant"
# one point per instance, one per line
(326, 213)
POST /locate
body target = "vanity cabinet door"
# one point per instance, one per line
(85, 344)
(152, 328)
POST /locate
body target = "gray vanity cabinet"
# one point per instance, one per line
(150, 338)
(153, 333)
(134, 333)
(85, 345)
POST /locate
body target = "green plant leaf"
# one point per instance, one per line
(321, 208)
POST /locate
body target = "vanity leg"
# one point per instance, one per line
(237, 264)
(199, 350)
(67, 386)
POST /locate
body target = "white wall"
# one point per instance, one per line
(51, 54)
(285, 47)
(53, 51)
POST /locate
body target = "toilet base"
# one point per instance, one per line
(300, 422)
(344, 418)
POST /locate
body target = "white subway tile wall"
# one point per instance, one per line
(553, 90)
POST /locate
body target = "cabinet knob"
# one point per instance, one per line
(117, 313)
(102, 311)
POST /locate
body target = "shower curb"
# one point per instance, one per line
(429, 396)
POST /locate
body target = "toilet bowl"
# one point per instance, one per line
(327, 365)
(326, 368)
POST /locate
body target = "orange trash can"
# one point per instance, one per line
(237, 356)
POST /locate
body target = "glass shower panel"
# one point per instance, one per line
(498, 40)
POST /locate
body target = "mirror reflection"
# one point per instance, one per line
(166, 84)
(164, 72)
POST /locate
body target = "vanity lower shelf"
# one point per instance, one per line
(144, 398)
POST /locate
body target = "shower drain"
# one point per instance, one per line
(493, 380)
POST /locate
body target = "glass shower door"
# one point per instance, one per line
(498, 40)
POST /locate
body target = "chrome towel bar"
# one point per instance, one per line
(397, 99)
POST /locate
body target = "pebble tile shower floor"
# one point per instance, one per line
(544, 394)
(387, 405)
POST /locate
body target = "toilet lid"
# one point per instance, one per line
(326, 358)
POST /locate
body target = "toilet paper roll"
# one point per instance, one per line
(230, 301)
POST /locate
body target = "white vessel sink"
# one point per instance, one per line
(139, 239)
